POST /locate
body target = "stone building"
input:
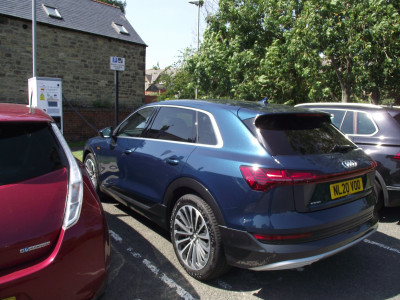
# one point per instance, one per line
(75, 40)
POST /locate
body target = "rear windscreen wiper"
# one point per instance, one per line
(342, 148)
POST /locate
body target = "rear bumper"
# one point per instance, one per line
(244, 251)
(76, 268)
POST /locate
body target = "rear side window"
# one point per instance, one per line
(28, 150)
(365, 125)
(336, 116)
(294, 134)
(348, 123)
(174, 124)
(206, 134)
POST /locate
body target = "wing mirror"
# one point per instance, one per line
(106, 132)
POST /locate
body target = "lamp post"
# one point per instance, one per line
(34, 38)
(199, 4)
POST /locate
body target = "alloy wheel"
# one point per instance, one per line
(192, 238)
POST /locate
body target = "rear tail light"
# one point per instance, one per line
(396, 157)
(75, 185)
(261, 179)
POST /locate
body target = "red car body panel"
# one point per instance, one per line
(22, 113)
(31, 217)
(76, 268)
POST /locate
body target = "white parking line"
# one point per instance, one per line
(224, 285)
(115, 236)
(163, 277)
(382, 246)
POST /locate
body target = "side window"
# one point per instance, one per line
(206, 133)
(365, 125)
(336, 116)
(136, 123)
(348, 123)
(174, 124)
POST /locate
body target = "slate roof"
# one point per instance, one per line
(83, 15)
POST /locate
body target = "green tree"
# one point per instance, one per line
(353, 39)
(178, 80)
(295, 51)
(121, 4)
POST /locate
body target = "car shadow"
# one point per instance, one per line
(369, 270)
(138, 269)
(390, 215)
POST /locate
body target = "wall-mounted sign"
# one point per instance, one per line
(117, 63)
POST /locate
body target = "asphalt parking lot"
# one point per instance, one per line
(144, 266)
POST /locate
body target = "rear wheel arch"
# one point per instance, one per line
(381, 181)
(184, 186)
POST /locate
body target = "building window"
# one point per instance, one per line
(52, 11)
(120, 28)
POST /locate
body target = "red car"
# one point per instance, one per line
(54, 240)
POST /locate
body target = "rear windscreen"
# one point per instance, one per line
(27, 150)
(294, 134)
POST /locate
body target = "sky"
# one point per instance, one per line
(166, 26)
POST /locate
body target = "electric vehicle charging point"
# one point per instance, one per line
(46, 94)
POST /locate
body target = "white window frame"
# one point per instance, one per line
(120, 28)
(52, 11)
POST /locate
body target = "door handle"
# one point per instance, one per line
(173, 161)
(128, 151)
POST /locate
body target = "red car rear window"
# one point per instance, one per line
(27, 150)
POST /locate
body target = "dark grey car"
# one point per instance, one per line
(375, 129)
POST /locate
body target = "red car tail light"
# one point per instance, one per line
(396, 157)
(75, 185)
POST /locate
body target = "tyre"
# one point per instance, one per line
(91, 169)
(196, 238)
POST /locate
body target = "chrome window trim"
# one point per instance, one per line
(217, 132)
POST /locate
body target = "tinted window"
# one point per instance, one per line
(206, 133)
(174, 124)
(348, 123)
(136, 123)
(28, 150)
(336, 116)
(365, 125)
(298, 134)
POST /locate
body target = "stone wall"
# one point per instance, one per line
(76, 127)
(80, 59)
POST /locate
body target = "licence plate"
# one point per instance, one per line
(345, 188)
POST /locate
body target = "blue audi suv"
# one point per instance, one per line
(251, 185)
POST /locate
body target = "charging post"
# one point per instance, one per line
(46, 94)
